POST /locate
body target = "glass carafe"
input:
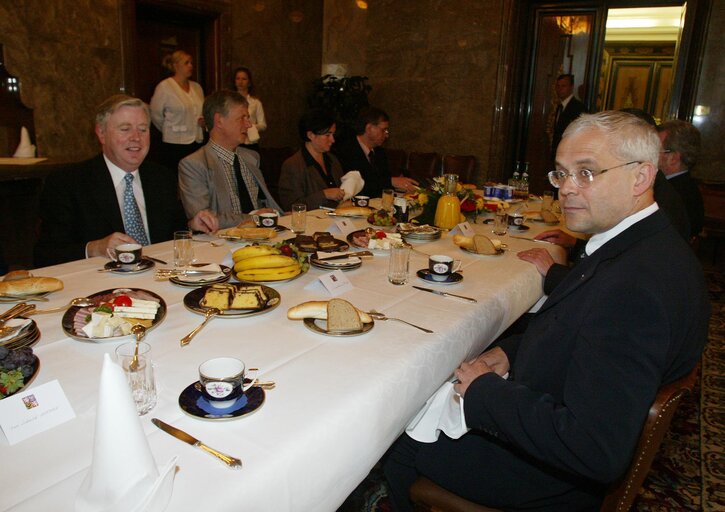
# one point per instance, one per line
(448, 211)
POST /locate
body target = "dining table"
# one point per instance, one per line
(338, 404)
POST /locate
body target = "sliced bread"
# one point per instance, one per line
(342, 316)
(484, 245)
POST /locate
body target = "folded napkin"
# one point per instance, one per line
(123, 476)
(200, 278)
(25, 148)
(442, 412)
(352, 184)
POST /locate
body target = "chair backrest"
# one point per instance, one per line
(463, 165)
(423, 166)
(270, 163)
(622, 494)
(13, 114)
(397, 161)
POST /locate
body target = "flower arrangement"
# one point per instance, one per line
(427, 199)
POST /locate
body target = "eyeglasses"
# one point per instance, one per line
(666, 151)
(581, 178)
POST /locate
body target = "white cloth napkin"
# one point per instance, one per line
(352, 183)
(442, 412)
(200, 278)
(25, 149)
(123, 476)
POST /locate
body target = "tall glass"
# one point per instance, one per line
(398, 266)
(140, 375)
(183, 249)
(388, 198)
(299, 217)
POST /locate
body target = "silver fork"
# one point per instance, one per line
(380, 316)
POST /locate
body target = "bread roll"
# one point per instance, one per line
(17, 274)
(547, 216)
(464, 241)
(353, 210)
(342, 316)
(318, 309)
(30, 286)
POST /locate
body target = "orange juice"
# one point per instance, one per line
(448, 212)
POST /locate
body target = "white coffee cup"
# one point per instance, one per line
(440, 266)
(126, 254)
(222, 381)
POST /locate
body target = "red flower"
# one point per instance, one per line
(468, 206)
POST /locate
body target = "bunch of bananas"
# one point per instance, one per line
(264, 263)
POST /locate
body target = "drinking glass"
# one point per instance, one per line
(140, 374)
(299, 217)
(500, 223)
(183, 249)
(398, 266)
(388, 198)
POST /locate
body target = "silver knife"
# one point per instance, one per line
(154, 259)
(232, 462)
(189, 272)
(531, 239)
(445, 294)
(359, 254)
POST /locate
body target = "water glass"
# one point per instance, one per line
(398, 266)
(299, 217)
(183, 249)
(500, 223)
(388, 198)
(140, 374)
(547, 200)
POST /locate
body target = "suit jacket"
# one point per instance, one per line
(79, 204)
(202, 185)
(587, 369)
(573, 109)
(691, 196)
(353, 158)
(300, 182)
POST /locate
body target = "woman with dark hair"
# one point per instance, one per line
(312, 175)
(244, 85)
(176, 110)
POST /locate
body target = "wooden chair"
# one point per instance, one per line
(397, 161)
(463, 165)
(430, 497)
(13, 113)
(423, 166)
(271, 160)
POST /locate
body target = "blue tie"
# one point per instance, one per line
(131, 214)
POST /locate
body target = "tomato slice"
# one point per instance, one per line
(123, 301)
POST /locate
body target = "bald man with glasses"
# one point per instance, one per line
(556, 412)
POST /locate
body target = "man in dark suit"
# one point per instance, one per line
(365, 153)
(569, 108)
(680, 148)
(91, 208)
(564, 424)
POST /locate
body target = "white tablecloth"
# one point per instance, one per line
(339, 402)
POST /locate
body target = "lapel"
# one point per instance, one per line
(102, 194)
(586, 269)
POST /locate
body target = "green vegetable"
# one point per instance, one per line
(10, 382)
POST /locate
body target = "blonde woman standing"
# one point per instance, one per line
(176, 110)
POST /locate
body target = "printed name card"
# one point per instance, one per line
(336, 282)
(464, 228)
(33, 411)
(345, 226)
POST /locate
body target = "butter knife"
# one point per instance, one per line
(531, 239)
(232, 462)
(154, 259)
(445, 294)
(359, 254)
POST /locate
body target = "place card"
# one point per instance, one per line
(32, 411)
(464, 228)
(336, 282)
(344, 226)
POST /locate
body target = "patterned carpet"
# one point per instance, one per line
(689, 471)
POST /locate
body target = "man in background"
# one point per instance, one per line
(568, 109)
(365, 153)
(115, 197)
(222, 178)
(680, 148)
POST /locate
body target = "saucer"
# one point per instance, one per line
(424, 274)
(117, 268)
(522, 227)
(193, 403)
